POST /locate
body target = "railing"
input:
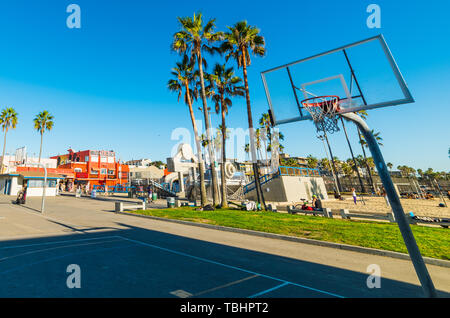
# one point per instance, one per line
(298, 172)
(112, 189)
(164, 187)
(264, 179)
(284, 171)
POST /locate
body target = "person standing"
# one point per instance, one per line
(149, 191)
(354, 195)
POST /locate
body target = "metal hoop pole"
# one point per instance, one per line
(394, 200)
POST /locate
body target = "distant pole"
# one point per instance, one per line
(363, 189)
(44, 186)
(440, 192)
(334, 164)
(329, 164)
(405, 229)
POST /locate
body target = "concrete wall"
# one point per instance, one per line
(273, 191)
(292, 189)
(37, 192)
(14, 187)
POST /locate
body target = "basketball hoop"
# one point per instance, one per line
(323, 111)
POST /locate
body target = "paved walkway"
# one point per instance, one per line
(126, 256)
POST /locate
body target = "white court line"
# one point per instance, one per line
(268, 290)
(54, 248)
(60, 257)
(232, 267)
(55, 242)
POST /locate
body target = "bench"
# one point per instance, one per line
(326, 212)
(345, 214)
(120, 207)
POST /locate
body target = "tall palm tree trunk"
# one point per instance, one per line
(259, 193)
(214, 182)
(201, 167)
(363, 189)
(4, 147)
(222, 165)
(40, 150)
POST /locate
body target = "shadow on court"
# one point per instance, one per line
(136, 262)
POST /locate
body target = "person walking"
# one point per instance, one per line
(149, 191)
(384, 194)
(354, 195)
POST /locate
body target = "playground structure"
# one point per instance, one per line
(184, 180)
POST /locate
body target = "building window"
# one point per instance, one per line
(93, 171)
(104, 159)
(103, 171)
(78, 170)
(86, 159)
(94, 159)
(111, 172)
(40, 183)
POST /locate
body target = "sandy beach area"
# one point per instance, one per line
(419, 207)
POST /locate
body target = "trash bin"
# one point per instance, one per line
(170, 202)
(154, 196)
(94, 194)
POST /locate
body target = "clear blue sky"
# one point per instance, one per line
(106, 83)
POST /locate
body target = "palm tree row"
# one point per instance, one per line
(195, 38)
(9, 119)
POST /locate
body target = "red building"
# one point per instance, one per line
(94, 167)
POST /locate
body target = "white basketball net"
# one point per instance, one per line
(323, 111)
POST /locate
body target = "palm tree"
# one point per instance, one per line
(265, 124)
(193, 38)
(241, 40)
(226, 85)
(364, 115)
(204, 142)
(312, 161)
(8, 120)
(258, 145)
(389, 165)
(377, 138)
(42, 122)
(247, 149)
(184, 76)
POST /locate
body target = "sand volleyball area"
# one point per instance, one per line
(419, 207)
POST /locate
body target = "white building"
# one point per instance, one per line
(12, 183)
(10, 163)
(138, 163)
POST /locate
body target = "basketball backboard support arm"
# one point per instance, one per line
(405, 97)
(394, 200)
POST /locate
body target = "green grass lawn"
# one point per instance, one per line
(433, 242)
